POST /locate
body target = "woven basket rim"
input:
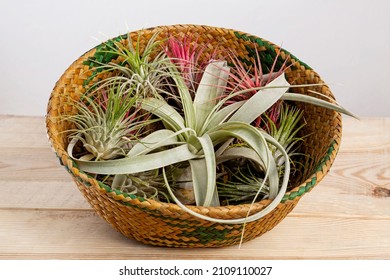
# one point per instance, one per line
(324, 166)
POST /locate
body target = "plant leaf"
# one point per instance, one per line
(185, 98)
(119, 181)
(255, 139)
(242, 131)
(153, 141)
(315, 101)
(163, 110)
(210, 89)
(221, 116)
(139, 163)
(204, 175)
(261, 101)
(236, 152)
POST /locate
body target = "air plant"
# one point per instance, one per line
(212, 128)
(148, 184)
(240, 185)
(144, 69)
(186, 54)
(106, 124)
(244, 78)
(286, 131)
(239, 180)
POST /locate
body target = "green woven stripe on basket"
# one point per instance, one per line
(172, 242)
(267, 57)
(207, 234)
(262, 43)
(104, 54)
(303, 189)
(84, 182)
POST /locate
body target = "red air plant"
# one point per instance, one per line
(242, 79)
(185, 53)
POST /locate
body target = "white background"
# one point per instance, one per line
(109, 269)
(346, 42)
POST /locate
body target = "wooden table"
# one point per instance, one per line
(44, 216)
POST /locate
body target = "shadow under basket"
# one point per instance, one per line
(166, 224)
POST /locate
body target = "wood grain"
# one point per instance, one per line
(42, 234)
(43, 215)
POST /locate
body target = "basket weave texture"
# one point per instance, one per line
(166, 224)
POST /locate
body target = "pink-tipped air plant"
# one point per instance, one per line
(254, 78)
(186, 54)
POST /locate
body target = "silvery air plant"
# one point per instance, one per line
(173, 123)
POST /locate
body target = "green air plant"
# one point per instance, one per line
(145, 69)
(239, 180)
(286, 131)
(103, 124)
(241, 184)
(148, 184)
(196, 142)
(108, 125)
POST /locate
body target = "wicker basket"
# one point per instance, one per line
(165, 224)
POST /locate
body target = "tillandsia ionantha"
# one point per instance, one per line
(105, 124)
(250, 79)
(186, 54)
(208, 147)
(108, 124)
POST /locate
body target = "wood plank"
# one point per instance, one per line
(366, 134)
(41, 195)
(30, 164)
(23, 131)
(37, 234)
(30, 173)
